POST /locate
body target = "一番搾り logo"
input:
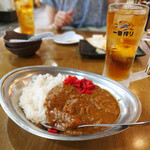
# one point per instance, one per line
(123, 28)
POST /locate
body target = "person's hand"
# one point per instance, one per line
(62, 18)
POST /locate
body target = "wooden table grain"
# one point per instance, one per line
(12, 137)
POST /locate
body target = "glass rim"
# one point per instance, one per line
(117, 4)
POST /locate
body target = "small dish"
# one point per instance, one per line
(26, 51)
(68, 39)
(86, 49)
(15, 35)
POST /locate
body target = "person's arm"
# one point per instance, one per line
(51, 13)
(63, 18)
(58, 19)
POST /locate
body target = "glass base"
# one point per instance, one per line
(133, 77)
(125, 83)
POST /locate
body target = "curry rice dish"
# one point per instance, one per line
(66, 107)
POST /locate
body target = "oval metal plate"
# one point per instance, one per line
(12, 83)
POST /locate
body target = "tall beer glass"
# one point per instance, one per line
(125, 26)
(24, 9)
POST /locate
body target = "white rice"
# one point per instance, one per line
(34, 94)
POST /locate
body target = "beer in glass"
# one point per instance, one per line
(125, 26)
(24, 9)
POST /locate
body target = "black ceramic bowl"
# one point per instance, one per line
(26, 51)
(14, 35)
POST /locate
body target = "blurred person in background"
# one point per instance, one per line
(77, 13)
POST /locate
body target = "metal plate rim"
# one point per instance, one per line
(64, 138)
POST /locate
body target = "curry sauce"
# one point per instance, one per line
(66, 109)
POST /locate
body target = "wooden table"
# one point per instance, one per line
(14, 137)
